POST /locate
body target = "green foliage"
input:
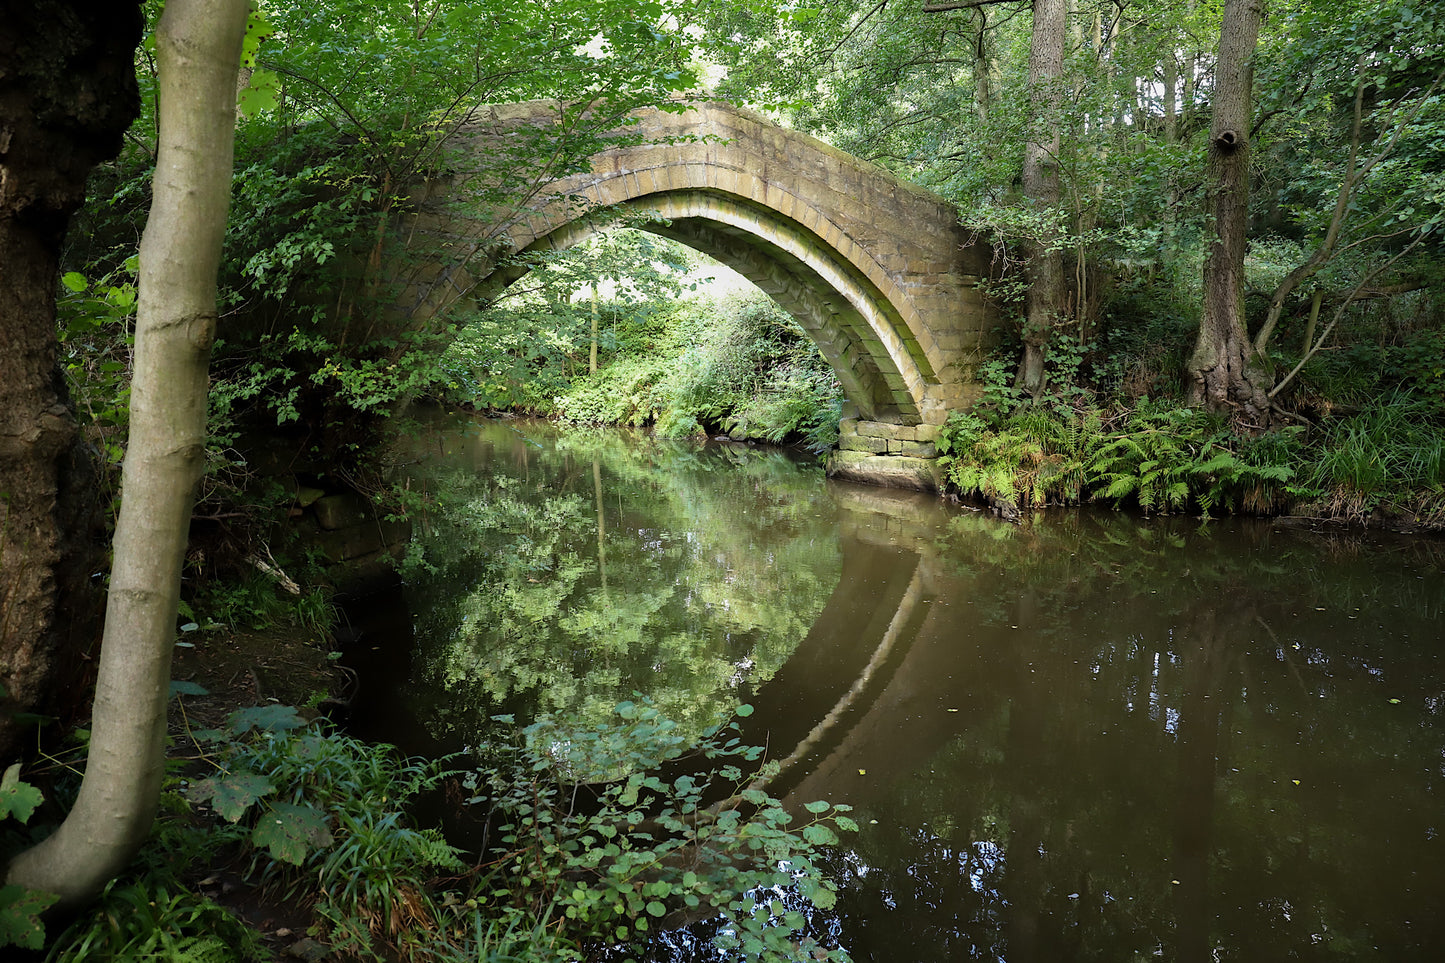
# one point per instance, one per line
(20, 908)
(149, 921)
(564, 880)
(1166, 459)
(329, 811)
(738, 364)
(20, 922)
(150, 915)
(1381, 454)
(94, 322)
(17, 798)
(253, 599)
(1158, 456)
(614, 871)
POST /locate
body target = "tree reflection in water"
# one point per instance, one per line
(1089, 737)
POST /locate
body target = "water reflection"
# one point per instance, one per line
(1086, 738)
(563, 572)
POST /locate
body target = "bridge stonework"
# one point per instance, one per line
(877, 271)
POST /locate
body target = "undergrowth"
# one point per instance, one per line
(735, 364)
(571, 866)
(1163, 457)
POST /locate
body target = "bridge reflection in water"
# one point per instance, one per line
(1099, 738)
(1063, 754)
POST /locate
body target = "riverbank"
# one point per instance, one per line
(1382, 467)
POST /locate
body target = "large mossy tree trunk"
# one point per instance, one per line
(198, 47)
(1045, 302)
(67, 94)
(1226, 374)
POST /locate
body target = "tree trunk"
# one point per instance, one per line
(1225, 372)
(592, 352)
(982, 67)
(1170, 69)
(198, 47)
(1044, 303)
(67, 95)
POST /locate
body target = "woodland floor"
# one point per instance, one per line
(239, 670)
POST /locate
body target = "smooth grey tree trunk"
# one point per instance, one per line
(198, 47)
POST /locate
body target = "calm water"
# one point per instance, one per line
(1088, 737)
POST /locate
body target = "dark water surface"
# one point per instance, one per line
(1087, 737)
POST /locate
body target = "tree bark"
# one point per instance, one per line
(67, 94)
(982, 66)
(1226, 374)
(1044, 302)
(198, 46)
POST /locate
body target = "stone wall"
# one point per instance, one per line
(892, 455)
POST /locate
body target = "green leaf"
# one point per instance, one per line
(184, 688)
(260, 95)
(656, 909)
(74, 281)
(232, 795)
(272, 718)
(291, 831)
(18, 798)
(20, 910)
(744, 711)
(817, 806)
(820, 835)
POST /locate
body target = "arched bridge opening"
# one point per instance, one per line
(877, 271)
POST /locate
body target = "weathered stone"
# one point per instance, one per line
(917, 449)
(890, 472)
(360, 541)
(877, 446)
(878, 270)
(306, 496)
(343, 510)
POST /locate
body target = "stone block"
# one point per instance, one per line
(920, 474)
(917, 449)
(343, 510)
(874, 429)
(875, 446)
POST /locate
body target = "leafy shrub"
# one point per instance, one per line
(649, 849)
(1160, 457)
(325, 816)
(328, 813)
(155, 921)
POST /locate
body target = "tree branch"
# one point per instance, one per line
(959, 5)
(1340, 313)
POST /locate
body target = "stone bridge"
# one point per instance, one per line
(876, 270)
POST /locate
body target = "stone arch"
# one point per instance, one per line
(851, 321)
(878, 271)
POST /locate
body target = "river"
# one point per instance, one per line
(1089, 736)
